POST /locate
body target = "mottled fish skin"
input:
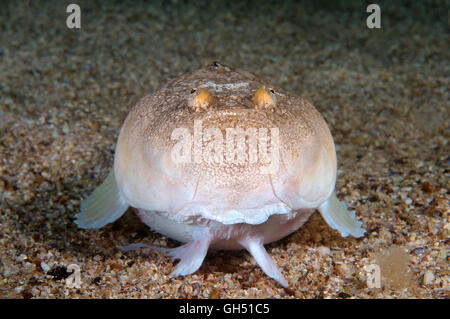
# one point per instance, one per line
(226, 205)
(307, 156)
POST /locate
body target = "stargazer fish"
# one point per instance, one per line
(220, 158)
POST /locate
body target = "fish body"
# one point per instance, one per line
(221, 158)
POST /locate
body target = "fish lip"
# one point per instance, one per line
(230, 216)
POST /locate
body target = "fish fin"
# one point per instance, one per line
(103, 206)
(256, 248)
(340, 218)
(191, 255)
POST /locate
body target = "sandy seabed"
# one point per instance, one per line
(384, 93)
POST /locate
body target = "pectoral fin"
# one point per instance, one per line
(104, 206)
(340, 218)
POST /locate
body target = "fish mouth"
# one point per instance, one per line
(232, 215)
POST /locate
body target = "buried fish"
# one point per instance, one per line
(221, 158)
